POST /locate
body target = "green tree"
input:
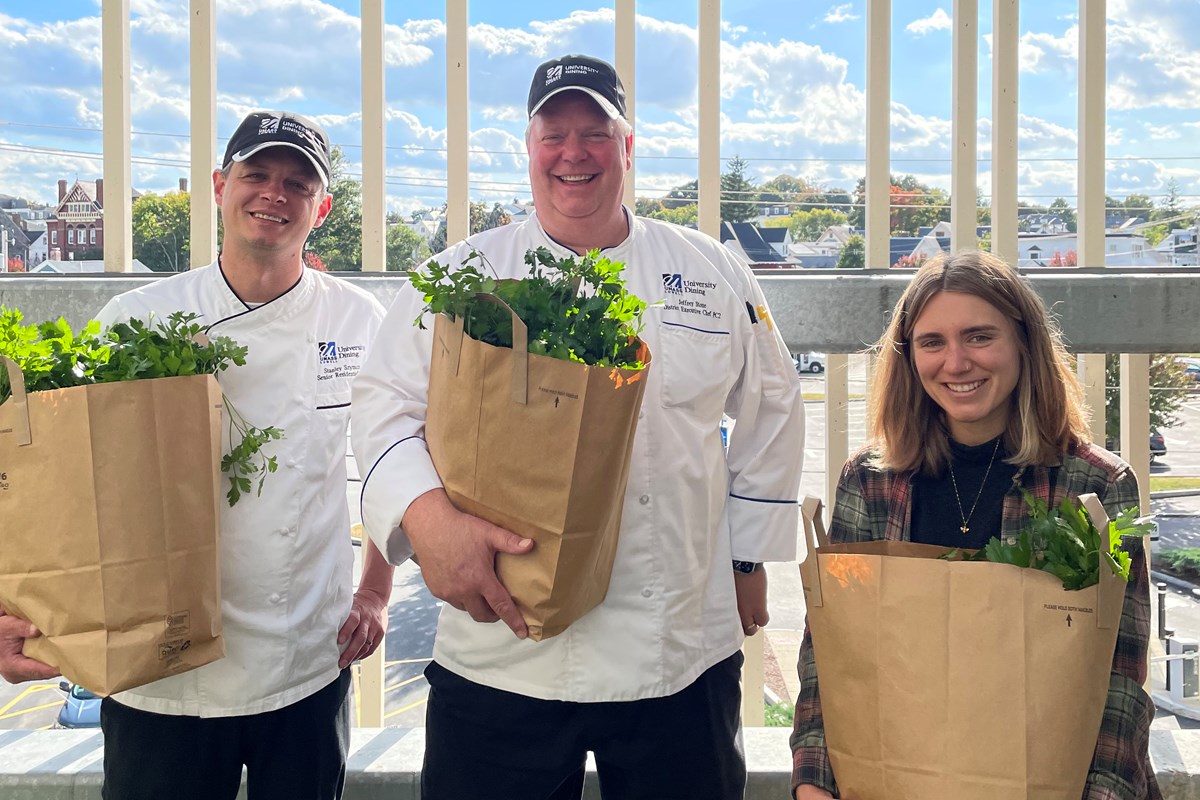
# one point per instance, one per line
(682, 195)
(162, 231)
(787, 188)
(1155, 234)
(807, 226)
(739, 195)
(1168, 391)
(683, 215)
(1139, 205)
(854, 253)
(1065, 213)
(480, 218)
(405, 248)
(646, 206)
(1169, 207)
(339, 239)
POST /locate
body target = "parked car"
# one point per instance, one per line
(809, 362)
(81, 708)
(1192, 371)
(1158, 447)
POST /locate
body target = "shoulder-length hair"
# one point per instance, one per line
(909, 430)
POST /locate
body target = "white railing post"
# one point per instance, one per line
(118, 182)
(374, 139)
(203, 103)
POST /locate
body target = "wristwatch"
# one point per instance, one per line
(746, 567)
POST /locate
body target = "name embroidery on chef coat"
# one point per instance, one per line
(338, 360)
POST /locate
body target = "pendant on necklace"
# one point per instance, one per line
(965, 529)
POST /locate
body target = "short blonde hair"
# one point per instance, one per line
(909, 430)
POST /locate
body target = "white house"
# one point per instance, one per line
(80, 267)
(1121, 249)
(1179, 248)
(38, 251)
(830, 242)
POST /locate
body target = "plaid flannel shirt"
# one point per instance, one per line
(874, 504)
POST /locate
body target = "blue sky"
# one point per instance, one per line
(792, 89)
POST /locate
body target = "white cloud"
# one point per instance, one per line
(840, 13)
(1045, 52)
(732, 31)
(937, 21)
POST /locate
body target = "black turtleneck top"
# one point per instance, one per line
(935, 513)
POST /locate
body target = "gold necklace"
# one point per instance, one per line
(966, 517)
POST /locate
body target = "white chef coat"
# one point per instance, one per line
(286, 559)
(689, 509)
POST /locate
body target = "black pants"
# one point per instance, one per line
(295, 753)
(488, 744)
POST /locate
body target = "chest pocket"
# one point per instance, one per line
(695, 368)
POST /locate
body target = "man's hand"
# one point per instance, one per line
(15, 667)
(807, 791)
(363, 630)
(751, 589)
(457, 556)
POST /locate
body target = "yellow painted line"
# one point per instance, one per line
(28, 690)
(404, 683)
(410, 707)
(30, 710)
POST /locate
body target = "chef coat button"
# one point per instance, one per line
(275, 598)
(644, 499)
(284, 531)
(647, 593)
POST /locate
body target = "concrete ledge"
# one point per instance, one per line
(835, 311)
(385, 764)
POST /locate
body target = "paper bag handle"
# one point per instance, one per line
(14, 413)
(1111, 589)
(520, 367)
(814, 537)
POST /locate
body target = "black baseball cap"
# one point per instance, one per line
(582, 73)
(264, 129)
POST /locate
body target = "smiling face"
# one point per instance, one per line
(270, 203)
(577, 163)
(968, 358)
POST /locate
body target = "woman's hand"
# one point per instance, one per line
(807, 791)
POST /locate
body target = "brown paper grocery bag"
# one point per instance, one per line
(108, 496)
(956, 679)
(539, 446)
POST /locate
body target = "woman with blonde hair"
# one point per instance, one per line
(975, 399)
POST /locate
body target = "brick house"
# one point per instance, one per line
(79, 220)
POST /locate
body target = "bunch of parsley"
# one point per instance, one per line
(52, 356)
(1064, 542)
(598, 327)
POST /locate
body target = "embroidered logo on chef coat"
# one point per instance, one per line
(688, 297)
(339, 360)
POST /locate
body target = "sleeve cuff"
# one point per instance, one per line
(763, 530)
(402, 474)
